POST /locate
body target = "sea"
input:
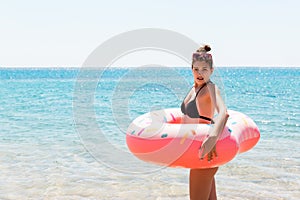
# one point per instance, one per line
(63, 132)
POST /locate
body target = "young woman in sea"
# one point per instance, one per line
(198, 107)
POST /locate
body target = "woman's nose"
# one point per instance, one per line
(200, 72)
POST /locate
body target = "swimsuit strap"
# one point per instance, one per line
(207, 118)
(200, 89)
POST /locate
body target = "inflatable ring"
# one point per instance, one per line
(160, 137)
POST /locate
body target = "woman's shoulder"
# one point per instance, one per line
(213, 88)
(212, 85)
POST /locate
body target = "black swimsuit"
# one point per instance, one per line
(191, 108)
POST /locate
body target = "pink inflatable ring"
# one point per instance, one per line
(159, 137)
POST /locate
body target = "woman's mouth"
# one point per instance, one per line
(200, 78)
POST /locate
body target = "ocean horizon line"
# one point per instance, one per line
(128, 67)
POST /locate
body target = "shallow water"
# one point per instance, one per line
(49, 124)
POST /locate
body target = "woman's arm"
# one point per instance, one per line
(220, 122)
(221, 119)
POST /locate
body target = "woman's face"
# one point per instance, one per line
(201, 71)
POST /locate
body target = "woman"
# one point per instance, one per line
(199, 107)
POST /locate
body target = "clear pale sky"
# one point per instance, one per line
(63, 33)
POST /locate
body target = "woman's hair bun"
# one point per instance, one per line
(207, 48)
(204, 49)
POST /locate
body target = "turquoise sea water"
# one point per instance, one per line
(52, 119)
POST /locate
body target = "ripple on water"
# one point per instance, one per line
(42, 156)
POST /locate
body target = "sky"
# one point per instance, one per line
(36, 33)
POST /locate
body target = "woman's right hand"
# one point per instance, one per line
(208, 147)
(213, 153)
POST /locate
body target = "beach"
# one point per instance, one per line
(48, 140)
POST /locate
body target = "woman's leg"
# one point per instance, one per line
(213, 193)
(201, 181)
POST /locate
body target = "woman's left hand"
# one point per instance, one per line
(208, 147)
